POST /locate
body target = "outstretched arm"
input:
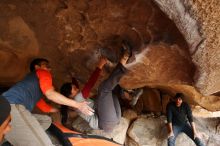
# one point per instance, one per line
(45, 82)
(60, 99)
(93, 78)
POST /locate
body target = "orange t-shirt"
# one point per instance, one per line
(45, 81)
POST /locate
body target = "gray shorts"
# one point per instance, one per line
(26, 130)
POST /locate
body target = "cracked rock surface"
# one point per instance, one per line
(175, 43)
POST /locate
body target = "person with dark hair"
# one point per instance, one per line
(39, 62)
(5, 117)
(71, 90)
(67, 114)
(180, 119)
(108, 110)
(23, 97)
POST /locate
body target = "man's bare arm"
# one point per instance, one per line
(194, 129)
(56, 97)
(170, 130)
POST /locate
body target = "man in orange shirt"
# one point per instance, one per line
(23, 97)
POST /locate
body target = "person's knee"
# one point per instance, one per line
(44, 120)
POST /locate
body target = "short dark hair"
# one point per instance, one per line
(66, 89)
(75, 82)
(179, 95)
(37, 61)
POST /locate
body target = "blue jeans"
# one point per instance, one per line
(187, 129)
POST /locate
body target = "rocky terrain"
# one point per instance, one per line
(175, 49)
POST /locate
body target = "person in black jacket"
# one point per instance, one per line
(179, 115)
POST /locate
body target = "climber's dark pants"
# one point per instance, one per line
(109, 110)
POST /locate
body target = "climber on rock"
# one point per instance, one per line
(71, 90)
(107, 107)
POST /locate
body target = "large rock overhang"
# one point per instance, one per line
(197, 22)
(72, 44)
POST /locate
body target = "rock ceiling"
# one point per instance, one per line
(176, 43)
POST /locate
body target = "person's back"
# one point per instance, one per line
(23, 96)
(26, 92)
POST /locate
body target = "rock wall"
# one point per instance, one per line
(169, 54)
(208, 55)
(198, 22)
(18, 45)
(65, 30)
(175, 46)
(148, 130)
